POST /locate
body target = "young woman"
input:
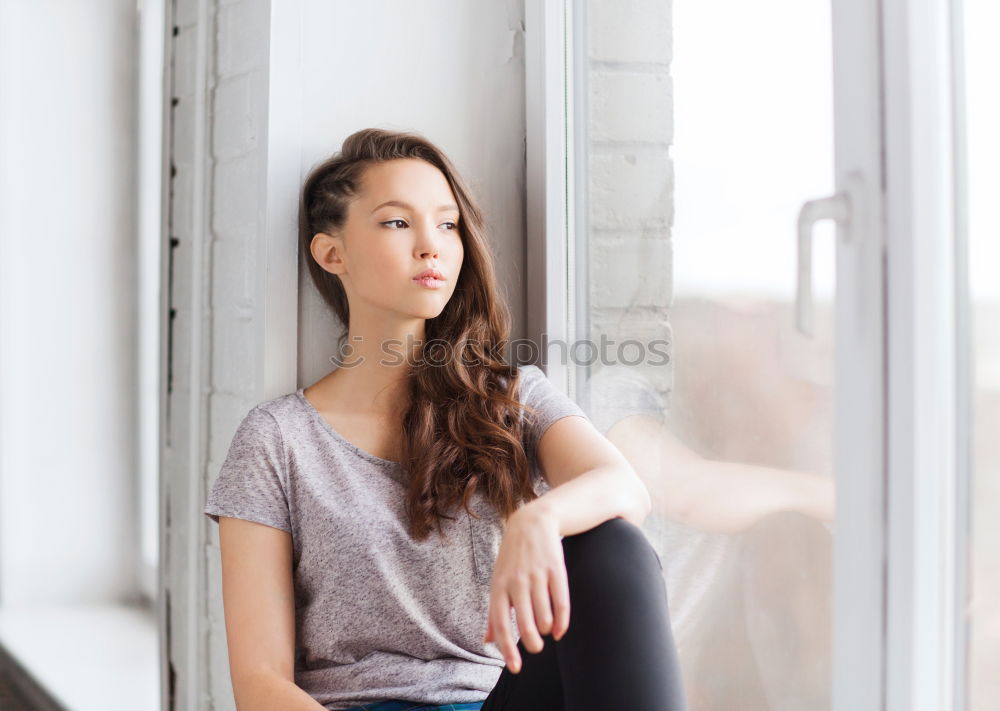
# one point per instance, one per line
(413, 530)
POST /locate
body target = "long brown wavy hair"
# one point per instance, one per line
(462, 430)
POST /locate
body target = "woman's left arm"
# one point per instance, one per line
(591, 480)
(591, 483)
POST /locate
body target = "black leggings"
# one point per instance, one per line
(618, 651)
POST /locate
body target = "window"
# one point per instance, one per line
(741, 229)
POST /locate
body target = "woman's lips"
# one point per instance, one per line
(430, 282)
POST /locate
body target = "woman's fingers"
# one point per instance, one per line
(543, 606)
(559, 590)
(502, 634)
(530, 576)
(526, 616)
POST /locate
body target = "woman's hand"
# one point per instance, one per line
(530, 575)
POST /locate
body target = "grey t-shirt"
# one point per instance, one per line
(377, 614)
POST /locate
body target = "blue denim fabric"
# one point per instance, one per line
(395, 705)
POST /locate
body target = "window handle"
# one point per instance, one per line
(834, 207)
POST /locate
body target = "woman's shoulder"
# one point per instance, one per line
(272, 416)
(529, 371)
(531, 385)
(281, 405)
(528, 375)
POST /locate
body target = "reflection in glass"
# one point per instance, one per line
(689, 238)
(981, 116)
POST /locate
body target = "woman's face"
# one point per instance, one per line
(404, 221)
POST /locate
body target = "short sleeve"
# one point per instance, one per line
(252, 482)
(616, 392)
(536, 390)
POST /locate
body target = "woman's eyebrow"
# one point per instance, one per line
(399, 203)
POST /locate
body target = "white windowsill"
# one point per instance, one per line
(87, 656)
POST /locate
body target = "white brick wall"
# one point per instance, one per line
(630, 31)
(219, 79)
(631, 179)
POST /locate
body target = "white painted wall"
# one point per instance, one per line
(452, 70)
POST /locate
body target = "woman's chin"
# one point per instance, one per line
(426, 313)
(428, 307)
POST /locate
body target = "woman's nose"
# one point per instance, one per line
(428, 243)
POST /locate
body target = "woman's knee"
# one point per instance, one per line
(609, 545)
(614, 570)
(617, 531)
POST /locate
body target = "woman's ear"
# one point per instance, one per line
(328, 251)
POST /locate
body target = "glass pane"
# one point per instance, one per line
(982, 115)
(697, 140)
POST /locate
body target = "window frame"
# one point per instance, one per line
(928, 344)
(550, 313)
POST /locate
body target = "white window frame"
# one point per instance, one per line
(548, 250)
(928, 472)
(152, 148)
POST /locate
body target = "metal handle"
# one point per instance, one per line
(835, 207)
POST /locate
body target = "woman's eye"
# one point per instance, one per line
(389, 222)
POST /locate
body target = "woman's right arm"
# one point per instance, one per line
(259, 604)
